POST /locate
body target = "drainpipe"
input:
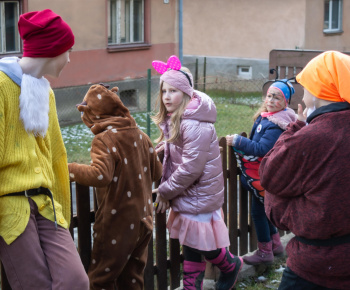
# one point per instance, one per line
(180, 31)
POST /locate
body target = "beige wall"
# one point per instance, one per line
(164, 22)
(87, 19)
(241, 28)
(314, 36)
(90, 60)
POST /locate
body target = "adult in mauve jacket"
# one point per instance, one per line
(307, 179)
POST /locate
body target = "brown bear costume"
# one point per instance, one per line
(123, 166)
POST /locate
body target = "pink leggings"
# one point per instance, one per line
(43, 258)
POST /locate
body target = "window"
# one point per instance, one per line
(244, 72)
(9, 36)
(125, 21)
(332, 16)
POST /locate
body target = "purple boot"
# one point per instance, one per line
(229, 266)
(263, 255)
(193, 275)
(277, 247)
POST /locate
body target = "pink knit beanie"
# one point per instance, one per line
(174, 76)
(179, 80)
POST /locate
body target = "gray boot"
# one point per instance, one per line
(263, 255)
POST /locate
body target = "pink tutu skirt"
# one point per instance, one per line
(205, 232)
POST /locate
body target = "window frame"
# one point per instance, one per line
(146, 19)
(3, 51)
(331, 30)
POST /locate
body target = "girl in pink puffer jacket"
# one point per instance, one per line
(192, 181)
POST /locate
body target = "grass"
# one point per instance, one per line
(234, 115)
(267, 278)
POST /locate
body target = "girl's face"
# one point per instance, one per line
(171, 97)
(274, 100)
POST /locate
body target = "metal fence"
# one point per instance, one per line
(236, 101)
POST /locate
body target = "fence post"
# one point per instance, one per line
(149, 102)
(196, 76)
(204, 72)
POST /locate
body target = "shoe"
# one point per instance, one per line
(193, 275)
(263, 255)
(229, 266)
(277, 247)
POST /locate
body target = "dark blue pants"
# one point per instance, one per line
(291, 281)
(264, 228)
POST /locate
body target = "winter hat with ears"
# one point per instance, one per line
(285, 87)
(327, 76)
(44, 34)
(172, 74)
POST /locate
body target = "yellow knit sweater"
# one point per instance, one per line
(28, 162)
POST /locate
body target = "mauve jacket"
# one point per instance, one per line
(192, 168)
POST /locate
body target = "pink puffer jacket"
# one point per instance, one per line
(192, 167)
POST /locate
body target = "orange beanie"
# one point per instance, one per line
(327, 76)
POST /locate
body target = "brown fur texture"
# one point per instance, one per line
(123, 167)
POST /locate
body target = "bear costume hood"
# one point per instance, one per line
(102, 110)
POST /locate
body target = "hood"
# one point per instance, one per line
(204, 112)
(11, 67)
(283, 118)
(102, 109)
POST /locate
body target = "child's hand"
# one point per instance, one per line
(231, 139)
(160, 148)
(302, 113)
(161, 204)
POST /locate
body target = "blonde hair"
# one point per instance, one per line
(261, 109)
(175, 119)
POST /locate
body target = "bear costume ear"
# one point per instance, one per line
(81, 107)
(115, 89)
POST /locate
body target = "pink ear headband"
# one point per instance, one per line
(172, 63)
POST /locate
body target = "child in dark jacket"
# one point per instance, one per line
(124, 165)
(270, 121)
